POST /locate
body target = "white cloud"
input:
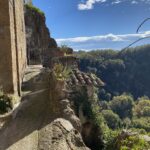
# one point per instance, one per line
(108, 40)
(108, 37)
(116, 2)
(134, 2)
(89, 4)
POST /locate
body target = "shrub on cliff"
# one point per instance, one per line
(67, 50)
(61, 72)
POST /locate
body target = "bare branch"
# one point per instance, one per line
(142, 24)
(135, 42)
(137, 31)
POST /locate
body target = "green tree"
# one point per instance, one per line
(113, 121)
(142, 108)
(142, 123)
(146, 111)
(67, 50)
(122, 71)
(122, 105)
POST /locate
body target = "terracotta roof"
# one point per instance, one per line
(80, 78)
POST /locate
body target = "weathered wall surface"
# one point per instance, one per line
(5, 48)
(20, 38)
(12, 45)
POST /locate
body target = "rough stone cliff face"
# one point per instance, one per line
(43, 119)
(37, 35)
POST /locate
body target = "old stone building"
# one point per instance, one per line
(12, 45)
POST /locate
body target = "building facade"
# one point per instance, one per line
(12, 45)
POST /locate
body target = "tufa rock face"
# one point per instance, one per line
(41, 48)
(69, 114)
(49, 55)
(37, 35)
(60, 135)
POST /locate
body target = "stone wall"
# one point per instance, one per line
(12, 45)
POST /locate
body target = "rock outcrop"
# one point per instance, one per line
(69, 114)
(61, 135)
(37, 35)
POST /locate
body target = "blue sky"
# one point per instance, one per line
(96, 24)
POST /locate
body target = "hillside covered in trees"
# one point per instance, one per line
(124, 101)
(124, 71)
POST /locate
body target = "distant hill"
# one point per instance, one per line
(125, 71)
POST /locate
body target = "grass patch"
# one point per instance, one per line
(61, 72)
(33, 8)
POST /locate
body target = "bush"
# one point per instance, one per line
(113, 121)
(146, 111)
(122, 105)
(61, 72)
(124, 141)
(103, 95)
(97, 116)
(133, 143)
(126, 123)
(111, 136)
(140, 131)
(142, 108)
(142, 123)
(67, 50)
(5, 103)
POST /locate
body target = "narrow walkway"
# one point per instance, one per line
(22, 130)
